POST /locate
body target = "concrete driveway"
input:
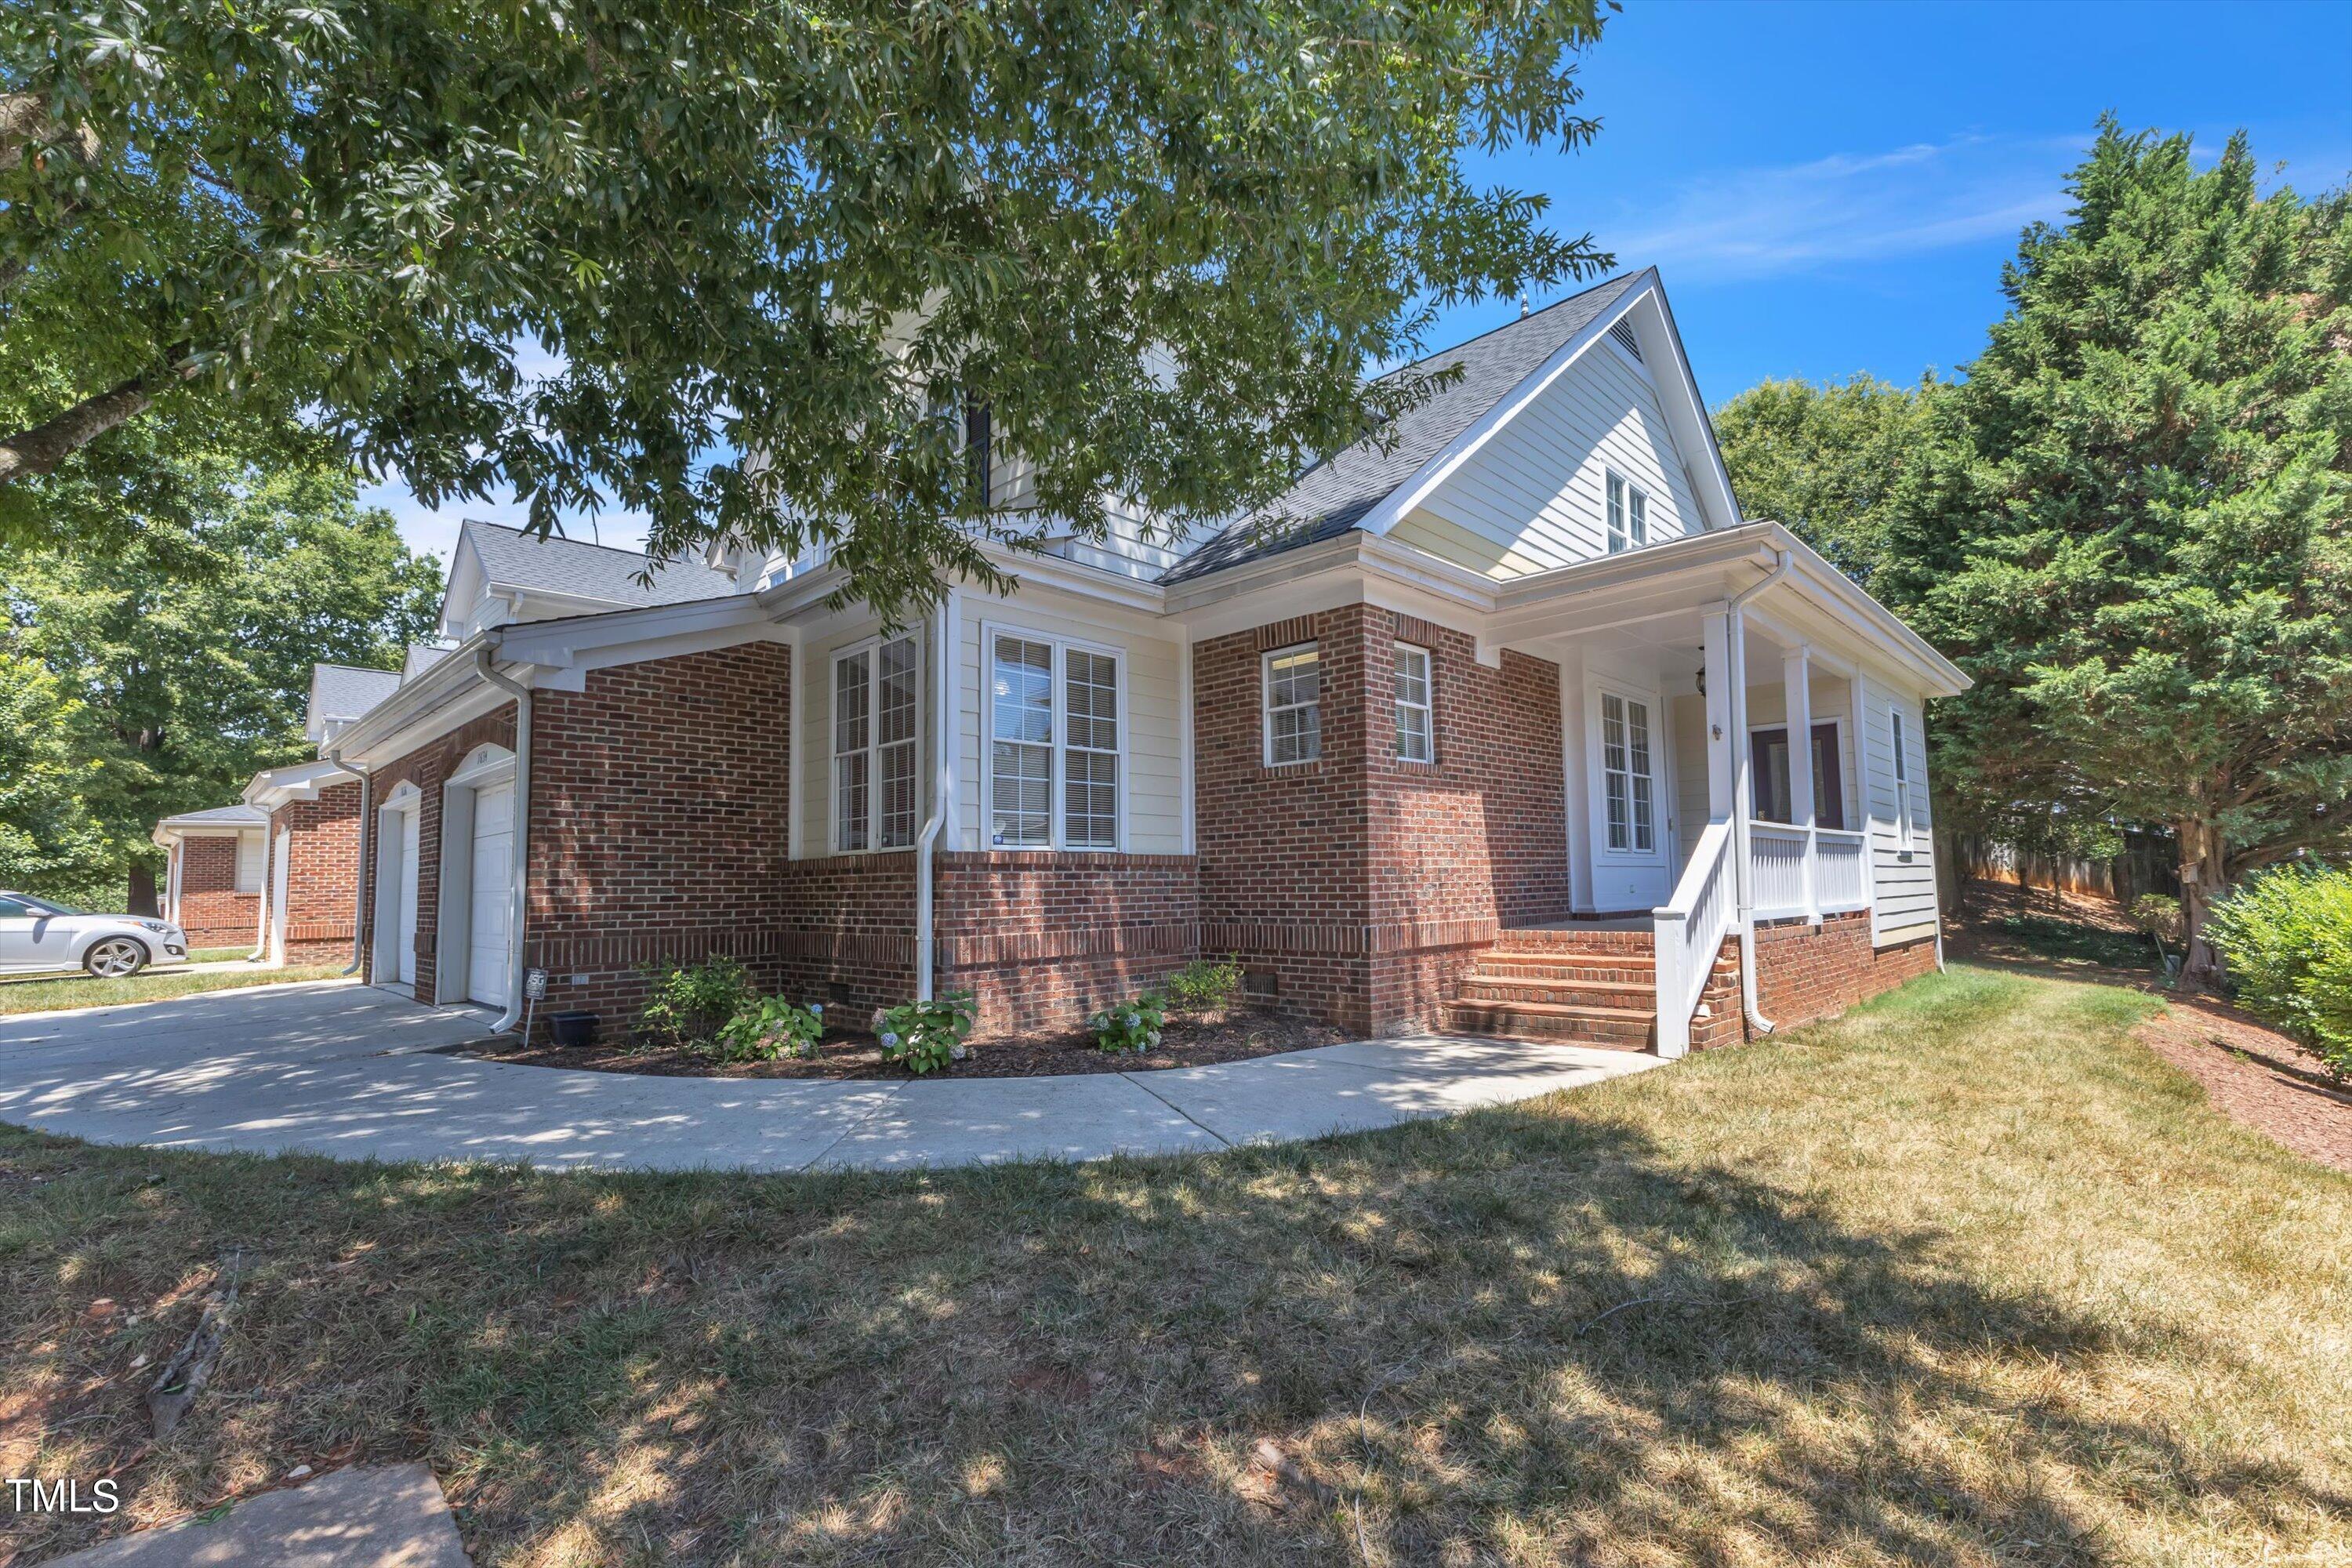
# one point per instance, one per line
(335, 1068)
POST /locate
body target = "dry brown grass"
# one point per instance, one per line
(1966, 1277)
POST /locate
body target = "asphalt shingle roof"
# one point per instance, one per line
(342, 692)
(1332, 497)
(514, 559)
(221, 816)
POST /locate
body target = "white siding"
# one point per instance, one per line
(1153, 806)
(1534, 496)
(1903, 880)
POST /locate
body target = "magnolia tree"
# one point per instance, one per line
(764, 258)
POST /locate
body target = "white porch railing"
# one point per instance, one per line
(1689, 930)
(1841, 870)
(1777, 854)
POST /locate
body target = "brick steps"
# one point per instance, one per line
(1623, 1027)
(1590, 988)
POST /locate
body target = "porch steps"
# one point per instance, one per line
(1594, 987)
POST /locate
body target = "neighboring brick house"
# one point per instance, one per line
(1485, 726)
(212, 874)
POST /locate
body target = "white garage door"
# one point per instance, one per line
(493, 894)
(404, 925)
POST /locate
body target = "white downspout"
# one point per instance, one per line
(943, 744)
(261, 900)
(367, 845)
(521, 693)
(1743, 794)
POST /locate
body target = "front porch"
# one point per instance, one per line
(1693, 816)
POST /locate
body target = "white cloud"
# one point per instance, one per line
(1848, 208)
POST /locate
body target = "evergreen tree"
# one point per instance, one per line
(2146, 564)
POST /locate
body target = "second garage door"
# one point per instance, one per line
(493, 894)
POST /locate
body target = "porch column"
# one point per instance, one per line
(1716, 665)
(1796, 680)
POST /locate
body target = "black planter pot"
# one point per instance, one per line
(572, 1028)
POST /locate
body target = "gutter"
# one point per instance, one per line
(521, 854)
(1743, 794)
(943, 637)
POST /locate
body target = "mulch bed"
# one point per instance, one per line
(2255, 1076)
(1231, 1037)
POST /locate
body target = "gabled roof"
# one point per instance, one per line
(510, 558)
(1336, 494)
(342, 692)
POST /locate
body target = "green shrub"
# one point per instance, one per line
(768, 1027)
(2287, 936)
(1134, 1026)
(1205, 985)
(925, 1037)
(691, 1003)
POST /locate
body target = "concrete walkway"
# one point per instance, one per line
(390, 1515)
(335, 1068)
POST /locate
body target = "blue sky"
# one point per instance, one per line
(1832, 187)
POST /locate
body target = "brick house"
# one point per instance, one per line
(212, 874)
(1485, 727)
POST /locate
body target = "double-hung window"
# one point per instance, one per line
(875, 709)
(1056, 738)
(1627, 780)
(1902, 779)
(1415, 736)
(1629, 515)
(1294, 705)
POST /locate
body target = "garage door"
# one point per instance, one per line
(493, 894)
(403, 927)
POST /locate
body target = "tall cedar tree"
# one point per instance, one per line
(754, 270)
(2146, 564)
(177, 662)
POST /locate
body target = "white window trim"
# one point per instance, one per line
(1903, 822)
(872, 647)
(1266, 704)
(1063, 646)
(1661, 772)
(1428, 705)
(1608, 534)
(1755, 729)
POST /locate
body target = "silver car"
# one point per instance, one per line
(41, 933)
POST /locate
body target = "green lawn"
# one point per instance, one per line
(221, 954)
(46, 992)
(1966, 1278)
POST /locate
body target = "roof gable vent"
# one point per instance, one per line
(1621, 332)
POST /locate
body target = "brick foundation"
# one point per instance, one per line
(1045, 938)
(211, 910)
(1803, 975)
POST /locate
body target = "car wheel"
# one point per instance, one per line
(115, 958)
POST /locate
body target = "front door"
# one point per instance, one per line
(491, 905)
(1631, 867)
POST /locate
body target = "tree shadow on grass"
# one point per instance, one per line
(1413, 1345)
